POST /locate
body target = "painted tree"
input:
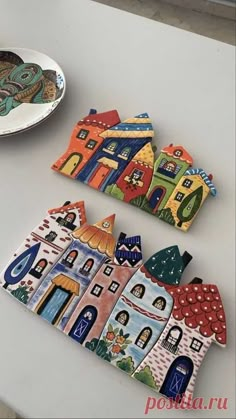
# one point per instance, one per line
(189, 206)
(126, 364)
(146, 377)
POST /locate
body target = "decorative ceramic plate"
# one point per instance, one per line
(31, 87)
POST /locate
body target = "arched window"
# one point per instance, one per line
(122, 317)
(70, 217)
(138, 290)
(172, 339)
(41, 265)
(50, 237)
(87, 267)
(170, 166)
(71, 256)
(112, 146)
(125, 152)
(144, 337)
(159, 303)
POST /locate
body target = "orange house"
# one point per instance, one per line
(84, 142)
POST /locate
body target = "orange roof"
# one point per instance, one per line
(98, 236)
(65, 208)
(67, 283)
(178, 152)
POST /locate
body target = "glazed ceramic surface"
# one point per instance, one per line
(31, 87)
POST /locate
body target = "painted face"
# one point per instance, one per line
(24, 83)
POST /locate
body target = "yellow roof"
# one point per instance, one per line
(145, 155)
(108, 162)
(67, 283)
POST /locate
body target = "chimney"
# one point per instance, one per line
(186, 258)
(92, 111)
(66, 203)
(196, 280)
(122, 236)
(210, 177)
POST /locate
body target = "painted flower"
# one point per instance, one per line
(110, 335)
(22, 282)
(29, 282)
(31, 289)
(120, 340)
(116, 349)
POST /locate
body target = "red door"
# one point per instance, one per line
(99, 176)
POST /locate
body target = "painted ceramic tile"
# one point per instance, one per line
(41, 250)
(119, 160)
(197, 319)
(119, 146)
(92, 311)
(134, 181)
(61, 290)
(85, 141)
(142, 311)
(188, 197)
(168, 169)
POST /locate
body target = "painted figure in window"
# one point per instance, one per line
(122, 317)
(138, 291)
(87, 267)
(50, 237)
(135, 177)
(160, 303)
(143, 338)
(169, 166)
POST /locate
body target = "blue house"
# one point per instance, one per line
(120, 144)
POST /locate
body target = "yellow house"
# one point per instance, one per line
(187, 198)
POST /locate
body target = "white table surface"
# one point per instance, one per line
(113, 59)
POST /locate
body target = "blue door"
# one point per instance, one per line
(156, 198)
(177, 378)
(83, 324)
(54, 304)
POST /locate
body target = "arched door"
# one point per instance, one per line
(177, 378)
(156, 197)
(71, 163)
(83, 324)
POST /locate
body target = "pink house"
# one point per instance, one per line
(197, 320)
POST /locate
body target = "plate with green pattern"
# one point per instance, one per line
(31, 87)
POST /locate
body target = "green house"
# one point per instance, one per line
(168, 169)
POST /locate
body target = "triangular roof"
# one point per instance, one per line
(138, 127)
(178, 152)
(207, 178)
(104, 120)
(200, 306)
(145, 155)
(98, 236)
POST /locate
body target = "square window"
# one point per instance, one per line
(114, 286)
(97, 289)
(91, 144)
(187, 183)
(82, 134)
(196, 345)
(108, 270)
(179, 196)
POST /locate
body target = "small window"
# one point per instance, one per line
(125, 153)
(41, 265)
(196, 345)
(108, 270)
(187, 183)
(179, 196)
(159, 303)
(170, 166)
(82, 134)
(51, 236)
(87, 266)
(71, 256)
(143, 337)
(114, 286)
(112, 146)
(91, 144)
(178, 153)
(70, 217)
(174, 335)
(97, 289)
(122, 317)
(138, 290)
